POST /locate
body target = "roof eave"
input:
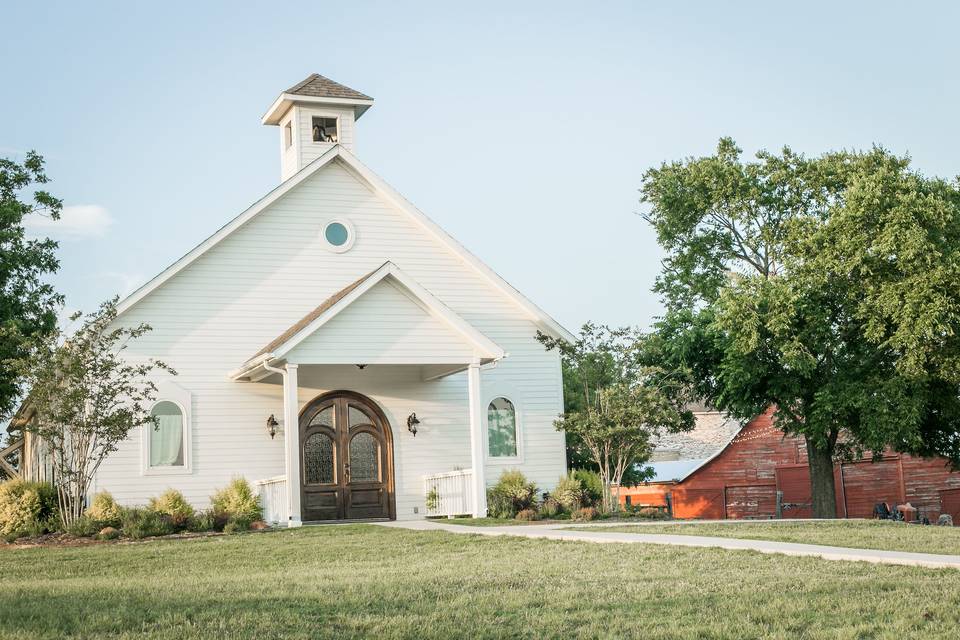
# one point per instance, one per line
(283, 103)
(245, 371)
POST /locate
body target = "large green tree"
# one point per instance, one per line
(28, 304)
(825, 287)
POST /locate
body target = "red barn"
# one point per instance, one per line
(760, 464)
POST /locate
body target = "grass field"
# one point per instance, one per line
(364, 580)
(857, 534)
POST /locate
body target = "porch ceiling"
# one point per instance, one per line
(384, 318)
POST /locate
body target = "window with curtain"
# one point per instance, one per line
(501, 429)
(166, 436)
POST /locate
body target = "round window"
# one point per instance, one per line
(339, 235)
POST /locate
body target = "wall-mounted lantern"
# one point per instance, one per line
(412, 423)
(272, 425)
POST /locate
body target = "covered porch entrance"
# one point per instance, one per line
(376, 352)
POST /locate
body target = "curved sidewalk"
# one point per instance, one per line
(561, 532)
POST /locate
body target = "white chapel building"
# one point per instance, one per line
(336, 347)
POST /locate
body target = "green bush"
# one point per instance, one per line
(568, 493)
(499, 505)
(39, 527)
(550, 508)
(592, 485)
(139, 523)
(512, 494)
(528, 515)
(237, 524)
(104, 509)
(237, 500)
(83, 527)
(209, 520)
(432, 499)
(584, 514)
(652, 513)
(25, 505)
(172, 503)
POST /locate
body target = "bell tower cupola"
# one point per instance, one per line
(313, 116)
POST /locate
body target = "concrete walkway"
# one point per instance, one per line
(560, 532)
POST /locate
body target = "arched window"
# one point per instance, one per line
(501, 429)
(167, 435)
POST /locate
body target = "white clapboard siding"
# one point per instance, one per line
(245, 291)
(383, 326)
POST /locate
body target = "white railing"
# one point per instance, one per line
(449, 494)
(273, 499)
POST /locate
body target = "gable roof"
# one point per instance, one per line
(682, 469)
(381, 188)
(486, 349)
(316, 89)
(318, 86)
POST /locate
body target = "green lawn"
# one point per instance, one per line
(368, 581)
(858, 534)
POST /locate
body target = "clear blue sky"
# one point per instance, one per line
(522, 128)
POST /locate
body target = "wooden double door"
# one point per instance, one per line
(346, 459)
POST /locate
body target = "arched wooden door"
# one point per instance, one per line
(346, 459)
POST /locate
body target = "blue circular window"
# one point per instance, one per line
(337, 234)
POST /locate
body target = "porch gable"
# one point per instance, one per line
(385, 317)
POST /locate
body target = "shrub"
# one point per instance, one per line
(528, 515)
(24, 505)
(584, 514)
(652, 513)
(237, 500)
(139, 523)
(568, 493)
(592, 485)
(237, 524)
(499, 505)
(39, 527)
(104, 509)
(512, 494)
(550, 508)
(209, 520)
(433, 499)
(83, 527)
(172, 503)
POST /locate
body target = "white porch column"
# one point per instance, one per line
(476, 442)
(291, 435)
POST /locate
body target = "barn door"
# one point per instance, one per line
(794, 482)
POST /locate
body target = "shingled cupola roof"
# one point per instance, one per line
(318, 86)
(315, 88)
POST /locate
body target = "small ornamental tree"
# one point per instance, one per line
(86, 399)
(623, 406)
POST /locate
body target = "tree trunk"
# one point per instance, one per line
(822, 486)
